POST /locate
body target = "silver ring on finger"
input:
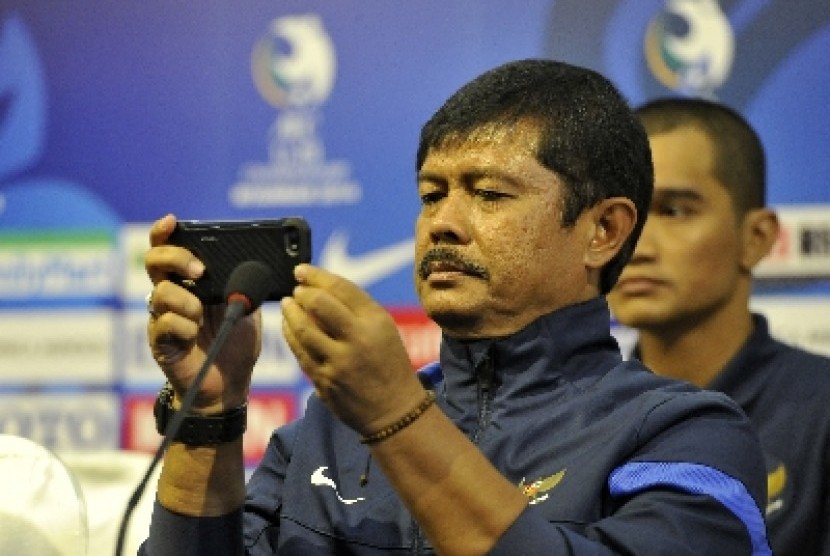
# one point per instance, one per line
(149, 301)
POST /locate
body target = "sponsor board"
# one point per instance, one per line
(134, 243)
(134, 358)
(62, 421)
(798, 320)
(56, 346)
(267, 410)
(803, 246)
(56, 265)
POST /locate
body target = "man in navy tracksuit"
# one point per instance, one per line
(687, 292)
(530, 436)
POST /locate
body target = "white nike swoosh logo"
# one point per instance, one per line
(367, 268)
(318, 478)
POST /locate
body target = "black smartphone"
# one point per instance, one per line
(222, 245)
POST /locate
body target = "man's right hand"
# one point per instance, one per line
(181, 330)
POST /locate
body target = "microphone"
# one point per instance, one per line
(248, 286)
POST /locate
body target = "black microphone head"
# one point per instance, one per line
(250, 283)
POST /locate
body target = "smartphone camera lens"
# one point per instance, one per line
(292, 242)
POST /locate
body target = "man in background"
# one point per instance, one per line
(686, 290)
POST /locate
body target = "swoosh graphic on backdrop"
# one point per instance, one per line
(366, 268)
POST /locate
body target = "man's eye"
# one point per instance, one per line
(673, 211)
(489, 194)
(430, 197)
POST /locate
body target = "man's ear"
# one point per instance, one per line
(612, 222)
(759, 231)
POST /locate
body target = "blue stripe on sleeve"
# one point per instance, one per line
(431, 375)
(697, 479)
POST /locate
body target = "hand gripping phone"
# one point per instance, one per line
(222, 245)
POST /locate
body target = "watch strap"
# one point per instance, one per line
(200, 430)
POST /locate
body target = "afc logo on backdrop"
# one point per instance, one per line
(293, 67)
(690, 46)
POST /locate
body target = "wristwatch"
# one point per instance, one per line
(200, 430)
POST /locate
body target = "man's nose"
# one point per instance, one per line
(645, 248)
(450, 222)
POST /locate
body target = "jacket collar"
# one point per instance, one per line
(573, 344)
(739, 375)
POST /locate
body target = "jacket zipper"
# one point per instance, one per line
(417, 539)
(484, 377)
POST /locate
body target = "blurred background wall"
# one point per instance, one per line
(113, 113)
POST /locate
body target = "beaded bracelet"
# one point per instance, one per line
(401, 423)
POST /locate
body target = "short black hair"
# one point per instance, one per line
(588, 135)
(739, 160)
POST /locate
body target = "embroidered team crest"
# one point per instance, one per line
(537, 491)
(780, 496)
(776, 484)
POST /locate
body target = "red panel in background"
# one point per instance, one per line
(266, 411)
(420, 335)
(138, 429)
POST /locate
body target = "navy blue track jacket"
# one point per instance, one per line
(613, 459)
(785, 391)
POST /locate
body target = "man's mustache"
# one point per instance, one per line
(451, 258)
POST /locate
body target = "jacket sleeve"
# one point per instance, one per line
(249, 531)
(657, 521)
(174, 534)
(679, 493)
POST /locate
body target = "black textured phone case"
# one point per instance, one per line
(223, 245)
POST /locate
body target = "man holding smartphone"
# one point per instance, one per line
(530, 435)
